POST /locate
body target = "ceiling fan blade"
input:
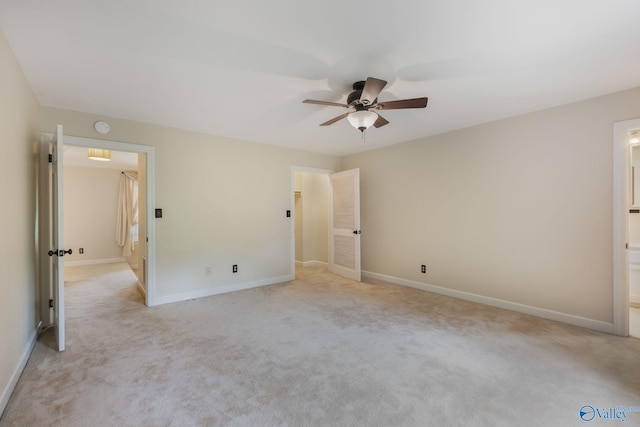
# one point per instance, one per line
(334, 104)
(372, 89)
(381, 121)
(403, 103)
(335, 119)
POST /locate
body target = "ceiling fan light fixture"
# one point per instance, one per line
(363, 100)
(362, 120)
(99, 154)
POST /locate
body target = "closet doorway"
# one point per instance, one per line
(311, 192)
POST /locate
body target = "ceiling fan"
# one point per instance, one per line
(363, 100)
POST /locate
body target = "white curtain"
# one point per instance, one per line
(127, 211)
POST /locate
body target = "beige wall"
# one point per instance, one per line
(519, 209)
(224, 201)
(19, 308)
(90, 213)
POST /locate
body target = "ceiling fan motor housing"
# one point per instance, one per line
(354, 97)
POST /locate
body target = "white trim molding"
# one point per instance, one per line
(141, 288)
(319, 264)
(583, 322)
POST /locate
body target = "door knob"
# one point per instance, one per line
(59, 252)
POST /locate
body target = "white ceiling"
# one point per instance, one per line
(241, 68)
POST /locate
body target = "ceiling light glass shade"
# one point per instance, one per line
(99, 154)
(362, 120)
(635, 138)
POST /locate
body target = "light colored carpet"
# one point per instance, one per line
(318, 351)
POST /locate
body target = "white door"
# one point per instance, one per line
(57, 242)
(344, 224)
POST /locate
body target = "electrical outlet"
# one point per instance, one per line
(207, 271)
(423, 268)
(81, 251)
(235, 268)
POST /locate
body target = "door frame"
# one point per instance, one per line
(292, 203)
(149, 151)
(621, 189)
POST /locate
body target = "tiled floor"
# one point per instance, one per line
(634, 322)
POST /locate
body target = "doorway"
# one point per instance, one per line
(311, 191)
(626, 229)
(51, 222)
(92, 199)
(145, 162)
(634, 233)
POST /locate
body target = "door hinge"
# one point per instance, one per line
(50, 158)
(50, 303)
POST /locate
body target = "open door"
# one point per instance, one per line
(344, 224)
(58, 238)
(56, 247)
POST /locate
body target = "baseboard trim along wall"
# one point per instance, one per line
(94, 261)
(141, 288)
(6, 393)
(320, 264)
(167, 299)
(583, 322)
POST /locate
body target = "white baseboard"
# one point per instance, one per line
(167, 299)
(94, 261)
(8, 390)
(571, 319)
(142, 290)
(312, 264)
